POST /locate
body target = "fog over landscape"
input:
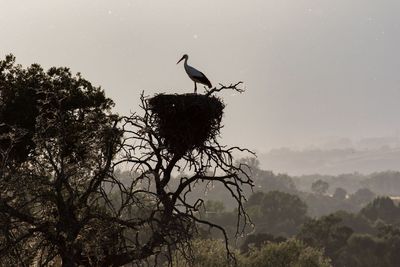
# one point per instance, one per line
(110, 157)
(315, 71)
(341, 156)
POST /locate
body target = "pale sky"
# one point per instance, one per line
(313, 69)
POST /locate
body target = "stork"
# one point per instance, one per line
(195, 75)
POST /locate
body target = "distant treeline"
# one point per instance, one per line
(368, 237)
(344, 220)
(385, 183)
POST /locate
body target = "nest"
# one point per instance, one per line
(185, 122)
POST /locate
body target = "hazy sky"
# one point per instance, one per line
(313, 69)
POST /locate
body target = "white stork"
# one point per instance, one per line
(195, 75)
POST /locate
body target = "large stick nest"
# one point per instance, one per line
(185, 122)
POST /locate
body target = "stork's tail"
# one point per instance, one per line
(208, 83)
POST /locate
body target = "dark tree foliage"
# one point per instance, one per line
(362, 196)
(268, 181)
(258, 240)
(326, 233)
(380, 250)
(364, 251)
(277, 212)
(382, 208)
(61, 202)
(385, 183)
(339, 194)
(356, 221)
(363, 239)
(320, 187)
(57, 145)
(391, 235)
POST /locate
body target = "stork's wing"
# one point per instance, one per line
(204, 80)
(198, 76)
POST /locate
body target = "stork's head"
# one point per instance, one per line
(184, 57)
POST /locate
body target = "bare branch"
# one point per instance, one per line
(222, 87)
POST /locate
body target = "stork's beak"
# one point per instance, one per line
(180, 60)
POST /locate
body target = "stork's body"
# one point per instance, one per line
(196, 75)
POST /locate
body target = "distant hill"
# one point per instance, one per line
(331, 161)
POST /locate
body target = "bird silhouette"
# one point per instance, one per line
(195, 75)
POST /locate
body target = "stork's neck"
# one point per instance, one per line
(185, 65)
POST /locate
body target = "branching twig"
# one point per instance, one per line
(232, 86)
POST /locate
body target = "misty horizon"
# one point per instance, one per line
(311, 70)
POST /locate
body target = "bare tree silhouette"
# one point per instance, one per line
(153, 158)
(61, 198)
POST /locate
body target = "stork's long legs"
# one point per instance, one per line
(195, 87)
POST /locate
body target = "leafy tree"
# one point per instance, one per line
(322, 205)
(55, 155)
(290, 253)
(385, 183)
(326, 233)
(60, 199)
(362, 196)
(382, 208)
(364, 250)
(381, 250)
(319, 187)
(258, 240)
(214, 206)
(357, 222)
(391, 235)
(256, 199)
(18, 109)
(267, 180)
(277, 212)
(340, 194)
(205, 252)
